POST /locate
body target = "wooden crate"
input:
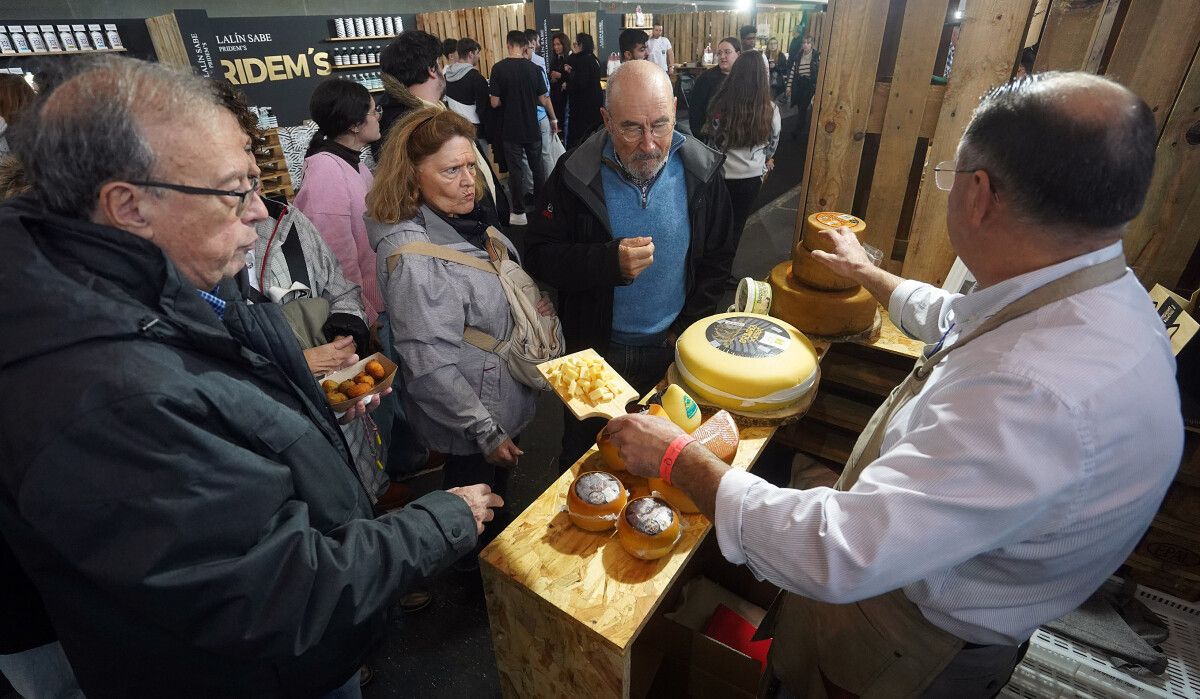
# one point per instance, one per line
(487, 25)
(690, 32)
(276, 180)
(580, 23)
(879, 126)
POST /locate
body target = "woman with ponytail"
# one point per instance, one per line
(334, 185)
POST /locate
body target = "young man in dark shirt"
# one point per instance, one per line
(516, 89)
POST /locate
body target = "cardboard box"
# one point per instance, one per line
(1173, 309)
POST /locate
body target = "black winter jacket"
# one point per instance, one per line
(570, 246)
(175, 486)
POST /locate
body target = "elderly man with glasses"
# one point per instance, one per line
(634, 233)
(171, 477)
(1022, 459)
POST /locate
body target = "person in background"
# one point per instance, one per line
(335, 181)
(463, 401)
(805, 64)
(777, 63)
(517, 88)
(15, 96)
(1021, 461)
(411, 80)
(449, 53)
(543, 116)
(232, 569)
(634, 233)
(743, 123)
(585, 97)
(1028, 58)
(467, 90)
(708, 83)
(660, 51)
(560, 48)
(748, 35)
(633, 45)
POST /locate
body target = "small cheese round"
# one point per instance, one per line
(678, 499)
(649, 528)
(824, 220)
(820, 313)
(810, 271)
(595, 500)
(746, 362)
(609, 454)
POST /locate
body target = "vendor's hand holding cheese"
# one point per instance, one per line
(1020, 462)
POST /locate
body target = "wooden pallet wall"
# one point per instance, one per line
(879, 126)
(580, 22)
(487, 25)
(690, 32)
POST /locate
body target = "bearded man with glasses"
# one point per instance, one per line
(171, 478)
(634, 233)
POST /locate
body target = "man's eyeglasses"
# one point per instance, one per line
(633, 134)
(242, 197)
(943, 174)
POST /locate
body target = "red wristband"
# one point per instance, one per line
(671, 454)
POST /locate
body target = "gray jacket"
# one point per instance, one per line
(459, 399)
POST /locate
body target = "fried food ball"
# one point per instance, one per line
(336, 397)
(365, 380)
(375, 369)
(345, 386)
(329, 386)
(358, 389)
(360, 377)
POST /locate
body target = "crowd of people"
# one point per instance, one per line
(184, 514)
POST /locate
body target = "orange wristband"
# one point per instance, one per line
(671, 454)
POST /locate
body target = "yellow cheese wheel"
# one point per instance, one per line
(820, 313)
(678, 499)
(649, 528)
(595, 500)
(830, 219)
(812, 272)
(746, 362)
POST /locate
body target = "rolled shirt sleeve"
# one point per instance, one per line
(920, 310)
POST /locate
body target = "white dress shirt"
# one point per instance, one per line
(1019, 478)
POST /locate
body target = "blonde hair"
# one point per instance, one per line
(396, 196)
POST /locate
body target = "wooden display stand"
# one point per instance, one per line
(276, 180)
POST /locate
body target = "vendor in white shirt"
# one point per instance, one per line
(1019, 464)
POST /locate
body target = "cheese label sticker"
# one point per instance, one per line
(832, 219)
(597, 488)
(747, 336)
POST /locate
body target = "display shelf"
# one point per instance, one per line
(334, 40)
(61, 53)
(375, 89)
(356, 65)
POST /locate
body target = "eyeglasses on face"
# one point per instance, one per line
(242, 197)
(943, 174)
(633, 134)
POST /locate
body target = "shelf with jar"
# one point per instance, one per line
(359, 28)
(355, 57)
(26, 40)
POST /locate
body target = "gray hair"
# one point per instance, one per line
(91, 129)
(1073, 152)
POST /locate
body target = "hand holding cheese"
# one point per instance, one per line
(635, 255)
(641, 441)
(841, 251)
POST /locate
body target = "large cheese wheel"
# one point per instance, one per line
(649, 528)
(812, 272)
(823, 220)
(820, 313)
(746, 362)
(595, 500)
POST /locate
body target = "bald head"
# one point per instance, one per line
(638, 77)
(1073, 152)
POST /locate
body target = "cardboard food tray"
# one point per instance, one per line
(354, 370)
(580, 408)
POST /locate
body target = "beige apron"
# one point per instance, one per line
(884, 646)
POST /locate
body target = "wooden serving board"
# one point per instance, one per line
(582, 409)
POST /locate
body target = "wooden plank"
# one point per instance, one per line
(169, 46)
(930, 111)
(811, 150)
(840, 411)
(838, 368)
(920, 35)
(988, 43)
(1161, 240)
(1037, 22)
(842, 104)
(1073, 28)
(1154, 49)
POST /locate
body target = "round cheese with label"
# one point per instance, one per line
(810, 271)
(746, 362)
(823, 220)
(821, 313)
(649, 528)
(595, 500)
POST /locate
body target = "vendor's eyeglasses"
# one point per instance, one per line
(242, 197)
(943, 174)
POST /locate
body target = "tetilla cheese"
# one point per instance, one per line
(649, 528)
(595, 500)
(820, 313)
(746, 362)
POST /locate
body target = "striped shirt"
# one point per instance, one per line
(1009, 489)
(215, 302)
